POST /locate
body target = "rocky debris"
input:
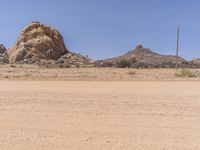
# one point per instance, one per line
(75, 60)
(37, 41)
(145, 58)
(69, 60)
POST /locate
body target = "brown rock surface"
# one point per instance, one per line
(37, 41)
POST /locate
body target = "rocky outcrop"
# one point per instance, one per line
(3, 54)
(37, 41)
(2, 49)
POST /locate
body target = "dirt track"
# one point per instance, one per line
(63, 115)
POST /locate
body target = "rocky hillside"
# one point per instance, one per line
(144, 57)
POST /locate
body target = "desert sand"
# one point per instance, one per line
(99, 115)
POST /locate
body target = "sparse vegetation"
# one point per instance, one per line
(13, 66)
(105, 64)
(167, 64)
(131, 73)
(126, 63)
(187, 73)
(142, 65)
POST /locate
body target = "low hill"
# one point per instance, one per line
(144, 57)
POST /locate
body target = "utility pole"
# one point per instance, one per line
(177, 47)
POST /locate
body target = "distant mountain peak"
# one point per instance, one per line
(140, 50)
(139, 46)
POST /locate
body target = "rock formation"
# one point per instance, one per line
(3, 54)
(36, 42)
(2, 49)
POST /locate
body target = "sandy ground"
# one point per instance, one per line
(33, 72)
(92, 115)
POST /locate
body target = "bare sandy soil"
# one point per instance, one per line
(92, 115)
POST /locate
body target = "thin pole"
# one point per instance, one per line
(177, 47)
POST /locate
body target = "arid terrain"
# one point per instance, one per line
(33, 72)
(98, 109)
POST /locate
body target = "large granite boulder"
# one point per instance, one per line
(37, 41)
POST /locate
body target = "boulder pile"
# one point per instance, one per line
(75, 60)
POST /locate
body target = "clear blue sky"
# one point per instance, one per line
(107, 28)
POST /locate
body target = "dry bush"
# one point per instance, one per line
(107, 64)
(126, 63)
(187, 73)
(131, 73)
(13, 66)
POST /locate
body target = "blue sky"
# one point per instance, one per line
(107, 28)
